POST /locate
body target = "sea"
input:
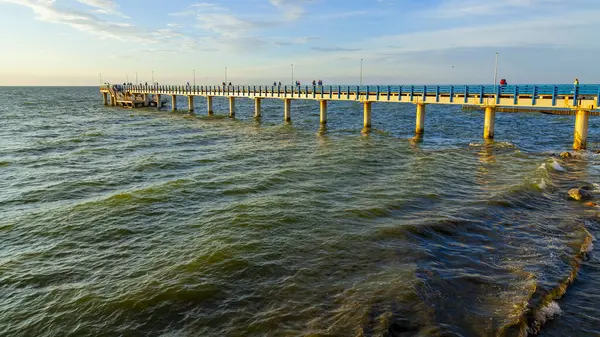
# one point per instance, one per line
(146, 222)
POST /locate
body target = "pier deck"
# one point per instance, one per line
(582, 99)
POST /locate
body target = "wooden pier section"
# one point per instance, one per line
(580, 100)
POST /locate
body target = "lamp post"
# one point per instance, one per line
(496, 70)
(136, 79)
(292, 74)
(152, 76)
(194, 71)
(100, 78)
(361, 71)
(226, 76)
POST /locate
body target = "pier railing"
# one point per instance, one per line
(428, 93)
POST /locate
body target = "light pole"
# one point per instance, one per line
(136, 79)
(361, 71)
(194, 70)
(496, 70)
(292, 74)
(226, 76)
(152, 76)
(100, 78)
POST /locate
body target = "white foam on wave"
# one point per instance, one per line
(556, 166)
(546, 313)
(542, 184)
(542, 167)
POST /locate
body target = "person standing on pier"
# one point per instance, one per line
(576, 83)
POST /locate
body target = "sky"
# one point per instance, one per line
(87, 42)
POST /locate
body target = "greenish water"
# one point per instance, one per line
(149, 223)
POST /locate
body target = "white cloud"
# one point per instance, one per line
(452, 9)
(293, 9)
(103, 6)
(48, 11)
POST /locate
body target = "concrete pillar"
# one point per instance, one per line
(158, 98)
(257, 107)
(323, 108)
(191, 103)
(146, 101)
(488, 123)
(231, 106)
(287, 105)
(105, 98)
(209, 104)
(581, 129)
(420, 124)
(113, 100)
(173, 102)
(367, 119)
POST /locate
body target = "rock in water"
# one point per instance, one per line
(579, 194)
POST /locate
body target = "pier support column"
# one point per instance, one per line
(257, 102)
(113, 100)
(173, 102)
(287, 106)
(581, 129)
(488, 123)
(191, 103)
(158, 98)
(231, 106)
(367, 118)
(420, 124)
(146, 101)
(105, 98)
(323, 108)
(209, 105)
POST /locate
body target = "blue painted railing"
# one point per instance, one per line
(422, 91)
(523, 89)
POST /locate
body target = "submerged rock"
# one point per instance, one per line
(579, 194)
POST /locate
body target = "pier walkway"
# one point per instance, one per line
(582, 99)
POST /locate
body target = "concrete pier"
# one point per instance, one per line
(191, 103)
(582, 100)
(231, 106)
(323, 108)
(367, 112)
(158, 98)
(287, 105)
(581, 130)
(420, 124)
(489, 121)
(209, 105)
(257, 112)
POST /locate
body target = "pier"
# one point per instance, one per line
(582, 100)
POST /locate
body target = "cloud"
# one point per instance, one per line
(104, 6)
(333, 49)
(46, 10)
(460, 8)
(293, 9)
